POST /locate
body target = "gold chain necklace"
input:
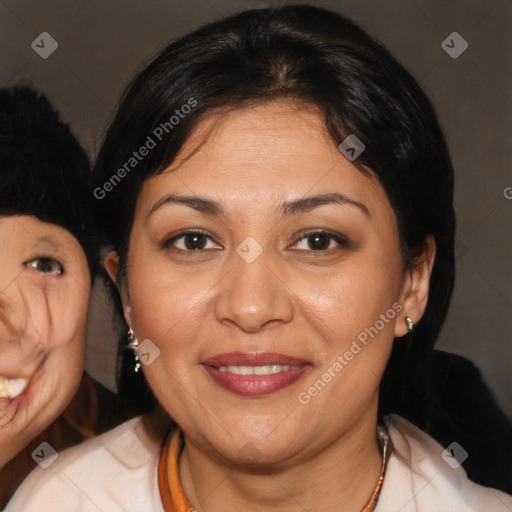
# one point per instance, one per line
(385, 443)
(174, 500)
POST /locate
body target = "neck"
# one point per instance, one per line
(345, 472)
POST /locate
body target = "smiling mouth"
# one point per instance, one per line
(253, 374)
(258, 370)
(12, 388)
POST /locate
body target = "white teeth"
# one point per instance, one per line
(258, 370)
(262, 370)
(11, 388)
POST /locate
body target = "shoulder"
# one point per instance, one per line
(94, 409)
(115, 471)
(423, 476)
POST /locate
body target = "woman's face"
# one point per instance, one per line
(267, 340)
(44, 297)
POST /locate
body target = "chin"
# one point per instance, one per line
(248, 448)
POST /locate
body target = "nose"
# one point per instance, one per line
(254, 295)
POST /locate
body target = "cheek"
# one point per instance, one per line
(10, 272)
(68, 306)
(167, 308)
(350, 300)
(65, 348)
(54, 320)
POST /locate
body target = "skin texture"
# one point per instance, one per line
(291, 300)
(43, 317)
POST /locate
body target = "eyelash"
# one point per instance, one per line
(46, 259)
(341, 240)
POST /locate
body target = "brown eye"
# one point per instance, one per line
(189, 241)
(194, 241)
(46, 266)
(319, 241)
(322, 241)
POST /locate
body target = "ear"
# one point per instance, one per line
(415, 287)
(112, 267)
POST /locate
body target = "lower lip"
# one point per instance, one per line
(6, 404)
(255, 385)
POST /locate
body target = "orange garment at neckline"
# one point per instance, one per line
(172, 495)
(171, 492)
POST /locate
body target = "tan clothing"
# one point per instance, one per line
(119, 472)
(92, 411)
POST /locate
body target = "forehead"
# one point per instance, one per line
(29, 232)
(256, 136)
(261, 154)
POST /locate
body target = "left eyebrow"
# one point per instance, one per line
(46, 242)
(215, 209)
(307, 204)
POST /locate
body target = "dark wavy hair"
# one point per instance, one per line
(44, 171)
(321, 58)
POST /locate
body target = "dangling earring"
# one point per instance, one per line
(133, 344)
(409, 323)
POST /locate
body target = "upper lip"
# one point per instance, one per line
(252, 359)
(25, 372)
(16, 375)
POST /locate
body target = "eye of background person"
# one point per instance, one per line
(46, 265)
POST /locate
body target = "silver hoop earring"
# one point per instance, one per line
(132, 345)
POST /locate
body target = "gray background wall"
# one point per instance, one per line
(102, 42)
